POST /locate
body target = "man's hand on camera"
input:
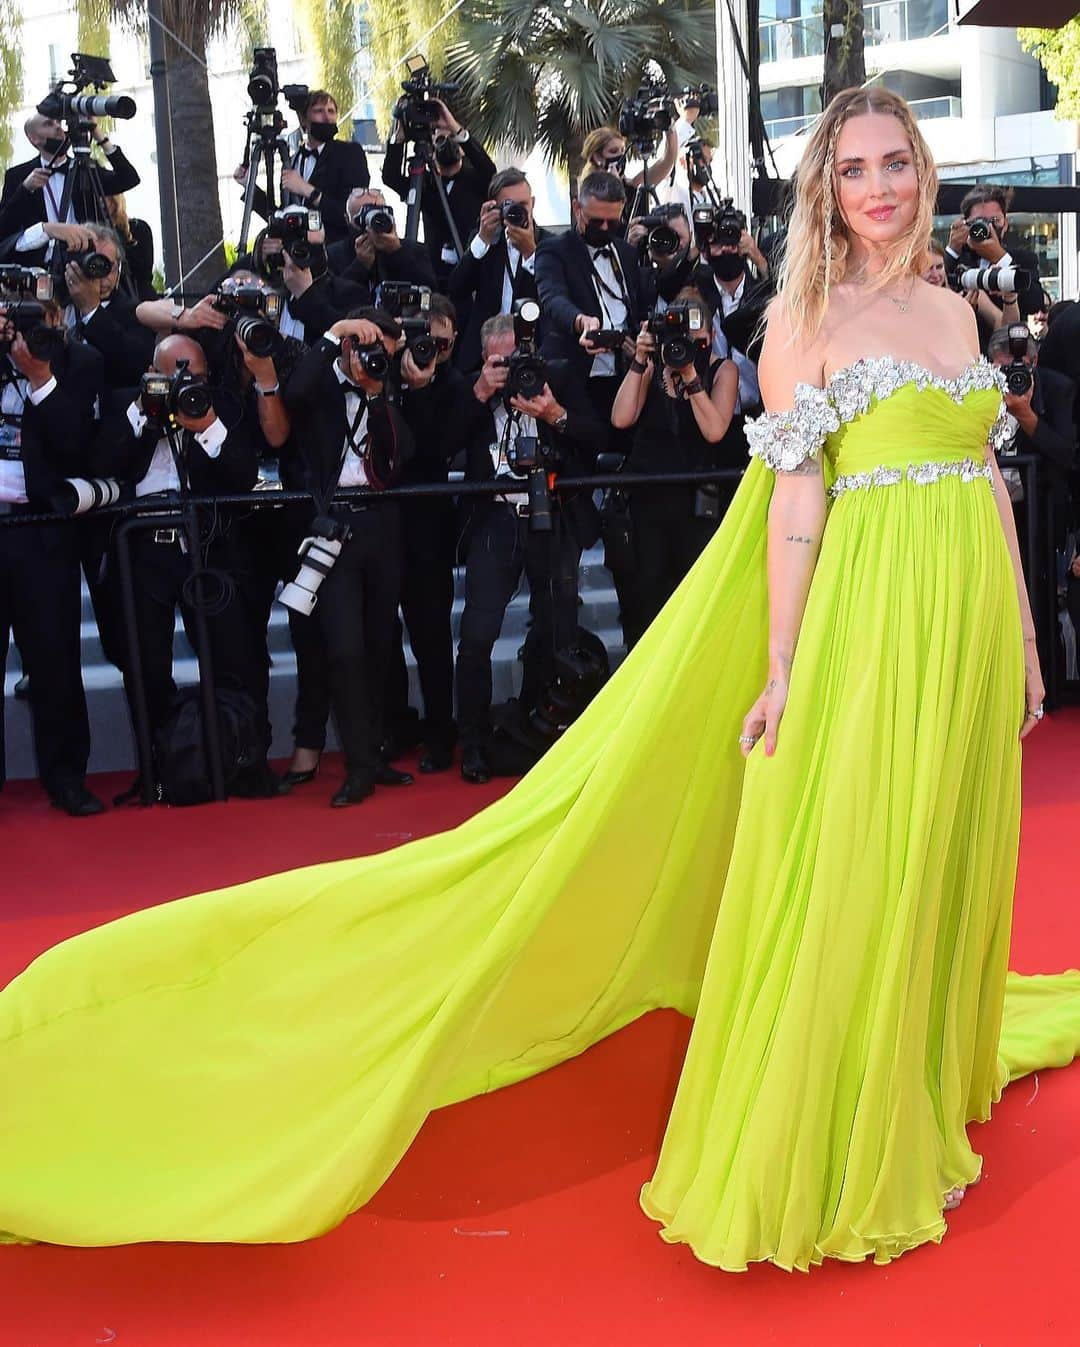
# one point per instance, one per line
(585, 323)
(490, 222)
(261, 366)
(636, 233)
(240, 173)
(492, 379)
(36, 372)
(544, 407)
(85, 293)
(385, 243)
(958, 235)
(990, 249)
(414, 375)
(447, 121)
(364, 248)
(1020, 406)
(203, 314)
(292, 181)
(77, 237)
(523, 239)
(197, 424)
(298, 280)
(364, 330)
(36, 179)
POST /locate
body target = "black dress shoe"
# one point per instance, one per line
(474, 765)
(354, 789)
(436, 758)
(74, 799)
(258, 782)
(292, 778)
(385, 775)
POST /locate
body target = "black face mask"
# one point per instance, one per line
(727, 265)
(673, 275)
(51, 146)
(597, 233)
(322, 132)
(448, 154)
(617, 165)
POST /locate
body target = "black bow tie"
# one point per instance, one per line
(61, 166)
(605, 250)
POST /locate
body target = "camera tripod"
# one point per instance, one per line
(265, 144)
(83, 170)
(645, 196)
(419, 164)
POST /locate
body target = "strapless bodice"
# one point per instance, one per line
(882, 419)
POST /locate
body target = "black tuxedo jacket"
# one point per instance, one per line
(57, 433)
(476, 288)
(465, 199)
(340, 168)
(1059, 351)
(411, 262)
(19, 209)
(118, 452)
(316, 403)
(328, 299)
(564, 278)
(125, 345)
(577, 447)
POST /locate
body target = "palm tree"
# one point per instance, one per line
(10, 71)
(845, 54)
(543, 73)
(329, 28)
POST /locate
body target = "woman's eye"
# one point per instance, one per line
(898, 163)
(852, 171)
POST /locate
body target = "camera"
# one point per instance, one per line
(77, 495)
(527, 372)
(255, 313)
(648, 114)
(164, 396)
(291, 225)
(1018, 375)
(415, 110)
(373, 219)
(722, 224)
(701, 96)
(697, 167)
(24, 292)
(993, 280)
(680, 331)
(93, 265)
(661, 240)
(373, 358)
(262, 86)
(317, 553)
(980, 231)
(514, 213)
(410, 305)
(72, 105)
(297, 96)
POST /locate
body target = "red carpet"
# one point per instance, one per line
(513, 1219)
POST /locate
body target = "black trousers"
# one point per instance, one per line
(427, 600)
(160, 572)
(501, 547)
(41, 603)
(668, 539)
(343, 648)
(602, 393)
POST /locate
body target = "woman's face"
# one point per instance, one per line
(612, 158)
(934, 269)
(876, 186)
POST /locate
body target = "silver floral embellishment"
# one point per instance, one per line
(783, 440)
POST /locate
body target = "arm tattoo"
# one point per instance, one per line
(798, 538)
(809, 467)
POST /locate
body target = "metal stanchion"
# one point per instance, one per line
(140, 711)
(204, 655)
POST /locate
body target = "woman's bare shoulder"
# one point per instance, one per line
(787, 358)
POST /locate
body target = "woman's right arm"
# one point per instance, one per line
(632, 392)
(796, 524)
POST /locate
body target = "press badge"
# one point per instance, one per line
(10, 442)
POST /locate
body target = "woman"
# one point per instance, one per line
(680, 417)
(933, 272)
(138, 239)
(604, 151)
(250, 1064)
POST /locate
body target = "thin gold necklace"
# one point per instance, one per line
(903, 304)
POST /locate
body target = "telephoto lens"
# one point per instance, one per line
(93, 265)
(663, 241)
(77, 495)
(514, 213)
(260, 337)
(539, 501)
(318, 552)
(995, 280)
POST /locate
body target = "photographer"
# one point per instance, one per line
(1039, 403)
(588, 281)
(33, 191)
(500, 536)
(294, 258)
(102, 314)
(137, 240)
(48, 399)
(977, 241)
(157, 444)
(436, 401)
(374, 252)
(348, 434)
(463, 167)
(730, 250)
(499, 265)
(1060, 348)
(680, 402)
(605, 151)
(323, 170)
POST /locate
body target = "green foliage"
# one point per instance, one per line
(11, 71)
(252, 20)
(395, 30)
(329, 28)
(1058, 52)
(546, 72)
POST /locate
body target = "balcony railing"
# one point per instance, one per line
(885, 21)
(925, 109)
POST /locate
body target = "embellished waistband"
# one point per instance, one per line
(922, 474)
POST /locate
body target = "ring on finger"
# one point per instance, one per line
(748, 738)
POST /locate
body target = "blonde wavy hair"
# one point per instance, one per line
(817, 253)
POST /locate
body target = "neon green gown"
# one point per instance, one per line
(249, 1065)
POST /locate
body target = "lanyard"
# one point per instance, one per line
(53, 202)
(602, 288)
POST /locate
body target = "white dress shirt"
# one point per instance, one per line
(16, 393)
(526, 426)
(353, 471)
(480, 250)
(609, 291)
(161, 475)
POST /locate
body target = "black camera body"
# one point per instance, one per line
(263, 86)
(697, 168)
(372, 358)
(681, 330)
(374, 219)
(298, 96)
(514, 213)
(701, 96)
(402, 299)
(1019, 377)
(165, 396)
(527, 372)
(415, 109)
(722, 224)
(291, 225)
(254, 312)
(645, 116)
(73, 107)
(980, 230)
(660, 240)
(24, 292)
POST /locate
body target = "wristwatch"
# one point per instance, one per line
(267, 392)
(559, 424)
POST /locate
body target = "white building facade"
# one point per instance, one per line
(983, 104)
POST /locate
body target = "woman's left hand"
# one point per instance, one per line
(1034, 693)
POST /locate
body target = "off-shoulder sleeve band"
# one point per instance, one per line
(1002, 431)
(783, 440)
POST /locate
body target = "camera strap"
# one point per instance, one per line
(603, 288)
